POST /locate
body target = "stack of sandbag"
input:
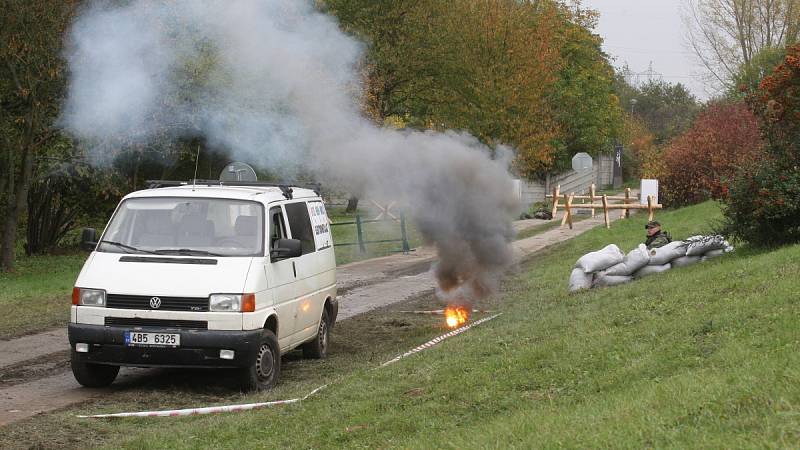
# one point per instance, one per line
(609, 266)
(707, 247)
(583, 273)
(623, 271)
(661, 258)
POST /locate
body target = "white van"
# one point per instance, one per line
(214, 274)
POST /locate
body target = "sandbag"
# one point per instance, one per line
(579, 279)
(700, 245)
(684, 261)
(728, 247)
(663, 255)
(603, 279)
(601, 259)
(651, 269)
(633, 261)
(713, 253)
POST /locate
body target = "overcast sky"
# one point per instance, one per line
(637, 32)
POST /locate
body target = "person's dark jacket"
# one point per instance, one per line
(659, 239)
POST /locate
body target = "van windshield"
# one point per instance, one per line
(186, 226)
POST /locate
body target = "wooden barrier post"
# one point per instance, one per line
(649, 208)
(591, 197)
(555, 201)
(568, 206)
(627, 200)
(605, 211)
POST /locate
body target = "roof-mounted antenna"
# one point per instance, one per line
(196, 163)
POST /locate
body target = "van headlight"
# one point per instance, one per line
(92, 297)
(225, 302)
(232, 302)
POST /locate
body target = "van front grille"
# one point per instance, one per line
(166, 303)
(156, 323)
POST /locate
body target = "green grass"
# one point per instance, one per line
(702, 357)
(698, 357)
(37, 295)
(376, 231)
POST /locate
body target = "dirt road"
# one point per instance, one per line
(34, 370)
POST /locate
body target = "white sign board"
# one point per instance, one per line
(581, 162)
(319, 223)
(648, 187)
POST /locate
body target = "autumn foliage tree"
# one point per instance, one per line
(527, 74)
(700, 164)
(763, 207)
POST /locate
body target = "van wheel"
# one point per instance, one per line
(318, 347)
(92, 375)
(264, 372)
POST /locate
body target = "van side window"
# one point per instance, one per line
(300, 224)
(276, 228)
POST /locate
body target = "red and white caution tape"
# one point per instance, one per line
(441, 311)
(438, 339)
(205, 410)
(249, 406)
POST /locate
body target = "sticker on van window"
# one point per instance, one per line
(320, 225)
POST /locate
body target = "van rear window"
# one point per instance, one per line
(300, 224)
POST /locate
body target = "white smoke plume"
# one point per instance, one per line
(276, 83)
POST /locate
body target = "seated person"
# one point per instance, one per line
(655, 237)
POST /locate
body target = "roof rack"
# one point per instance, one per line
(286, 187)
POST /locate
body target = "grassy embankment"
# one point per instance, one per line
(37, 295)
(702, 357)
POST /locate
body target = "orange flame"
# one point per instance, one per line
(455, 316)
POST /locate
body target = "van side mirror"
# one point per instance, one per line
(285, 248)
(88, 239)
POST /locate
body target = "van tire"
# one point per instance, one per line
(263, 374)
(92, 375)
(318, 347)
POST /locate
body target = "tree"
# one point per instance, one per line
(763, 205)
(583, 100)
(666, 109)
(641, 157)
(749, 76)
(701, 163)
(31, 88)
(726, 35)
(527, 74)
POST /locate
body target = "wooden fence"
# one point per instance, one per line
(627, 203)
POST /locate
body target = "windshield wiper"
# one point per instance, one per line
(127, 247)
(183, 251)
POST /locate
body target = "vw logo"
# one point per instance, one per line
(155, 303)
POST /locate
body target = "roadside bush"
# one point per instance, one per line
(700, 163)
(763, 204)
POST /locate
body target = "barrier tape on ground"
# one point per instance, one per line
(250, 406)
(441, 311)
(438, 339)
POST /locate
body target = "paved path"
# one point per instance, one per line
(363, 286)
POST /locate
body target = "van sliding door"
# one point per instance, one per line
(281, 276)
(308, 269)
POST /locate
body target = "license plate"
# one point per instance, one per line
(139, 339)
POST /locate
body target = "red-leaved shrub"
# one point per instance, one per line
(763, 206)
(700, 163)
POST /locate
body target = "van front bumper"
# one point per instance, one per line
(199, 348)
